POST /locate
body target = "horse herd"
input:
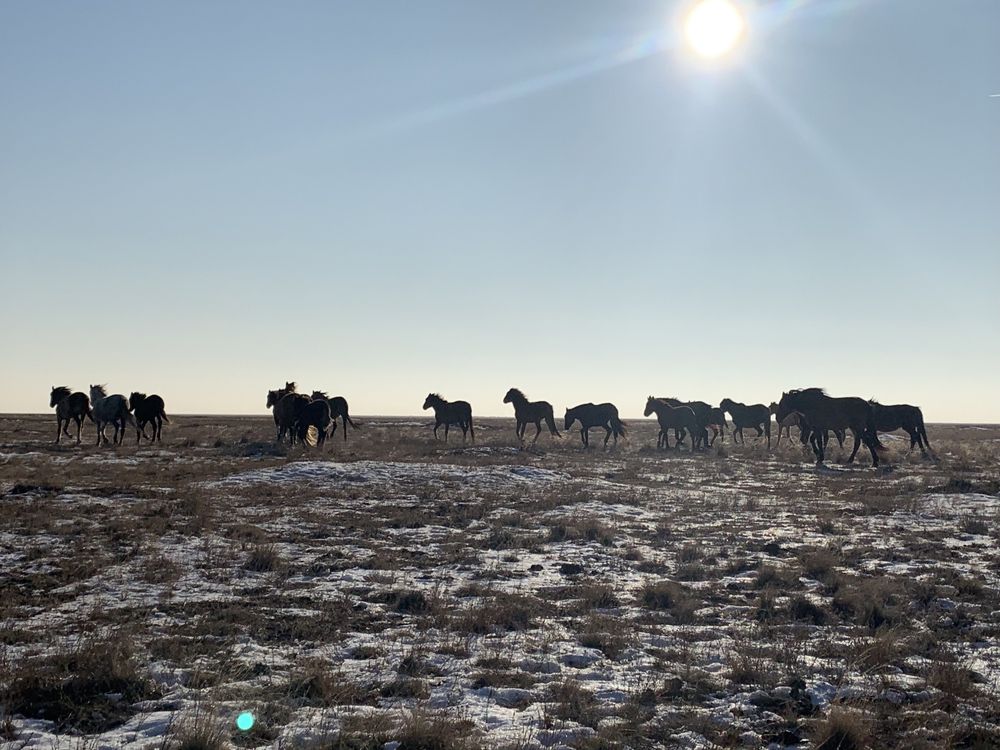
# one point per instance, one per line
(116, 410)
(311, 419)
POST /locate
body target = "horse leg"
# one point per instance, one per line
(446, 432)
(584, 437)
(857, 444)
(817, 445)
(871, 441)
(538, 430)
(58, 429)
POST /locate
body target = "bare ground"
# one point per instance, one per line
(395, 589)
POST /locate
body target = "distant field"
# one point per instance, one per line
(397, 589)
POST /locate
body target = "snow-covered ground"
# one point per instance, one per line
(532, 599)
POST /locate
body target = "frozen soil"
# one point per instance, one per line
(397, 590)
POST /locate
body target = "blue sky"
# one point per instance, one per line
(384, 199)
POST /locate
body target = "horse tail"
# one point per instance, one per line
(163, 416)
(920, 427)
(90, 415)
(550, 420)
(308, 434)
(617, 425)
(130, 419)
(472, 432)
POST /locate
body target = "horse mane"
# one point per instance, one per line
(436, 396)
(809, 391)
(61, 391)
(137, 395)
(289, 387)
(517, 393)
(100, 389)
(320, 394)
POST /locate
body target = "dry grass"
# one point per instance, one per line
(619, 603)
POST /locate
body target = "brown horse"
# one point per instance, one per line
(75, 406)
(755, 416)
(315, 415)
(450, 413)
(675, 418)
(595, 415)
(717, 424)
(797, 420)
(338, 408)
(910, 419)
(824, 412)
(287, 406)
(703, 412)
(530, 411)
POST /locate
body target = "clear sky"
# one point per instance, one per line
(387, 198)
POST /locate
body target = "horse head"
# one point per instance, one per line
(568, 419)
(273, 397)
(432, 400)
(650, 404)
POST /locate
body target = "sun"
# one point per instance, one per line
(714, 28)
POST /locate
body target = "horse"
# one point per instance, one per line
(69, 406)
(717, 424)
(891, 417)
(147, 409)
(314, 414)
(449, 413)
(824, 412)
(797, 420)
(675, 417)
(274, 397)
(530, 411)
(806, 431)
(791, 420)
(287, 408)
(107, 410)
(338, 408)
(756, 416)
(599, 415)
(702, 411)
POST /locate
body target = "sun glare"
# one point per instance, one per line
(714, 28)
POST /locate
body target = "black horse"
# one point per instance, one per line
(314, 414)
(530, 411)
(675, 418)
(599, 415)
(449, 413)
(889, 418)
(756, 416)
(338, 408)
(75, 406)
(823, 413)
(288, 406)
(147, 410)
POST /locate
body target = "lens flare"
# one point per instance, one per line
(714, 28)
(245, 721)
